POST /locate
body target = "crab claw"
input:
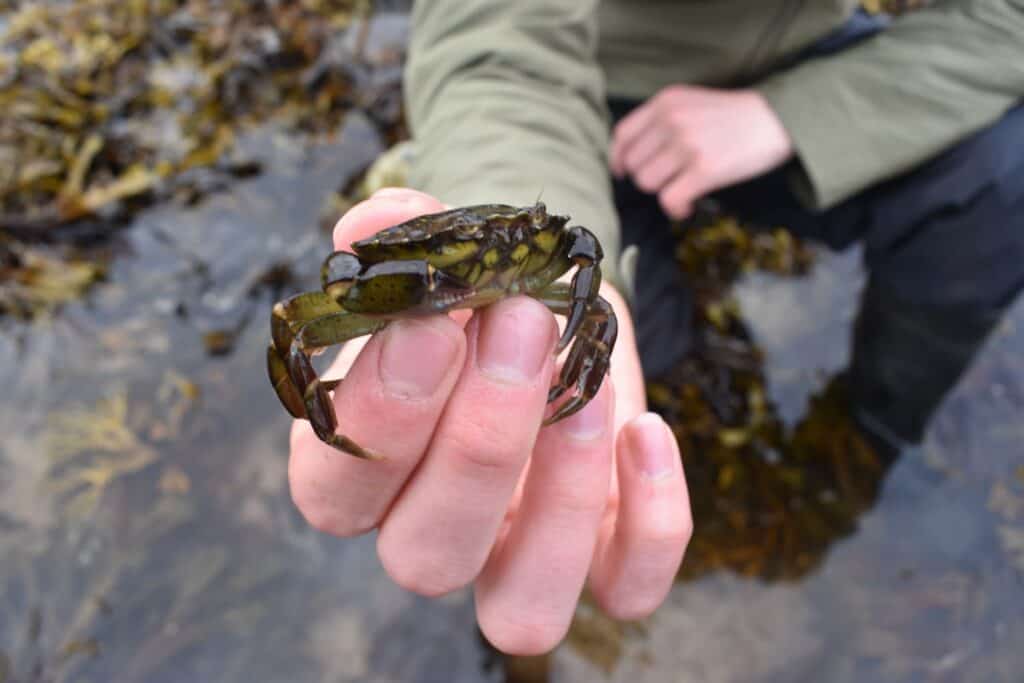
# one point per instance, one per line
(585, 251)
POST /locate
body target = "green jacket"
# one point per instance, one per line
(506, 98)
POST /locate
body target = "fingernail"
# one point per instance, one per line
(653, 448)
(590, 422)
(416, 357)
(509, 347)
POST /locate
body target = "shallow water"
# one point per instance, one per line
(146, 533)
(931, 585)
(166, 548)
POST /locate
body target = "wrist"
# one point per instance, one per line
(776, 145)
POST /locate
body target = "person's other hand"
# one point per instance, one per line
(471, 489)
(686, 141)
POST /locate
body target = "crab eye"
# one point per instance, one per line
(339, 272)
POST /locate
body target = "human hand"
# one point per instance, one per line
(685, 142)
(471, 490)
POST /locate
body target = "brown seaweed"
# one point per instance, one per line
(108, 103)
(767, 501)
(36, 280)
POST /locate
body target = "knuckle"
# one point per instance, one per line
(325, 518)
(669, 531)
(420, 582)
(632, 160)
(683, 145)
(669, 203)
(632, 606)
(677, 210)
(701, 163)
(623, 134)
(589, 500)
(645, 181)
(317, 516)
(326, 514)
(322, 507)
(482, 445)
(431, 578)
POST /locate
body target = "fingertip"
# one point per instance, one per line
(431, 575)
(650, 448)
(675, 208)
(386, 207)
(634, 570)
(528, 637)
(655, 497)
(635, 607)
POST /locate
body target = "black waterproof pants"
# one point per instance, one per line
(943, 244)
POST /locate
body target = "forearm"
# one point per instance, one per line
(885, 106)
(506, 104)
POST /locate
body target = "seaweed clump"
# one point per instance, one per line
(109, 103)
(35, 280)
(767, 501)
(893, 7)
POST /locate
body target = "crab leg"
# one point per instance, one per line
(301, 326)
(316, 334)
(294, 312)
(590, 354)
(285, 320)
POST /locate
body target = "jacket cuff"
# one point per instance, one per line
(833, 162)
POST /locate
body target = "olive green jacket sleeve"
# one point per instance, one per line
(888, 104)
(507, 105)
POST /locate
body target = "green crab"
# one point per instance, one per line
(462, 258)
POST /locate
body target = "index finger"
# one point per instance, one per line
(626, 133)
(343, 495)
(386, 207)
